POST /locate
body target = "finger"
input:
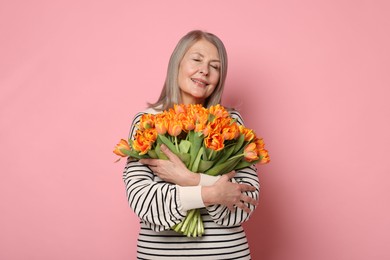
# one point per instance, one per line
(232, 208)
(244, 207)
(249, 200)
(230, 175)
(246, 187)
(168, 153)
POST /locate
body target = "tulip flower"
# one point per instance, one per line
(141, 144)
(264, 157)
(161, 126)
(250, 152)
(179, 108)
(147, 121)
(122, 145)
(248, 133)
(219, 111)
(214, 141)
(231, 132)
(259, 143)
(174, 128)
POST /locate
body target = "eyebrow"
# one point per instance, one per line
(200, 54)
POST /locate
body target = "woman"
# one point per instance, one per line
(162, 191)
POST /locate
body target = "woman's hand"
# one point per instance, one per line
(172, 170)
(228, 194)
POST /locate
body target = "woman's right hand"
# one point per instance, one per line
(229, 194)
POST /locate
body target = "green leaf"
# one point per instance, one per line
(205, 165)
(166, 141)
(185, 157)
(184, 146)
(132, 154)
(196, 140)
(196, 163)
(240, 142)
(159, 153)
(152, 154)
(223, 167)
(227, 152)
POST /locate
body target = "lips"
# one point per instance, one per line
(200, 82)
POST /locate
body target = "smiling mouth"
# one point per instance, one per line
(200, 82)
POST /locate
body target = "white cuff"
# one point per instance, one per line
(207, 180)
(190, 197)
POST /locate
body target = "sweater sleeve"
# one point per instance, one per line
(221, 214)
(154, 201)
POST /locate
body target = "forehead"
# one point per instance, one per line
(204, 48)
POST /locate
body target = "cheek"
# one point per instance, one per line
(215, 80)
(211, 90)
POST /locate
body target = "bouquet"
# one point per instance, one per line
(208, 141)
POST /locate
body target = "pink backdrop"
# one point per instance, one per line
(311, 77)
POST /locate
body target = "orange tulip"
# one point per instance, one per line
(141, 144)
(179, 108)
(199, 127)
(231, 132)
(122, 145)
(248, 133)
(161, 126)
(264, 157)
(213, 127)
(259, 143)
(174, 128)
(218, 111)
(214, 141)
(188, 124)
(147, 121)
(250, 152)
(150, 135)
(200, 116)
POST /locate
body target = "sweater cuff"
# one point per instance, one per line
(190, 197)
(207, 180)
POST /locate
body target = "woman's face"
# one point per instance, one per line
(199, 72)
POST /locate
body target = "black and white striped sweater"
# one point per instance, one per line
(161, 205)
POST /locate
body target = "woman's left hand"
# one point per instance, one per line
(172, 170)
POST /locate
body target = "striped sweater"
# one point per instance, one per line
(161, 205)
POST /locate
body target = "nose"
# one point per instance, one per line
(204, 69)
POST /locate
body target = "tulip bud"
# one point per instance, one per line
(250, 152)
(122, 145)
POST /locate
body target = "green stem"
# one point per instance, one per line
(236, 156)
(177, 146)
(211, 154)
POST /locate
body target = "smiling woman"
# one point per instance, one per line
(194, 46)
(163, 192)
(199, 72)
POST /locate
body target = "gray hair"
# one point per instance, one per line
(170, 93)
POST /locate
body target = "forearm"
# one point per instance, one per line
(147, 197)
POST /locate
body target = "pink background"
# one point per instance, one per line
(311, 77)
